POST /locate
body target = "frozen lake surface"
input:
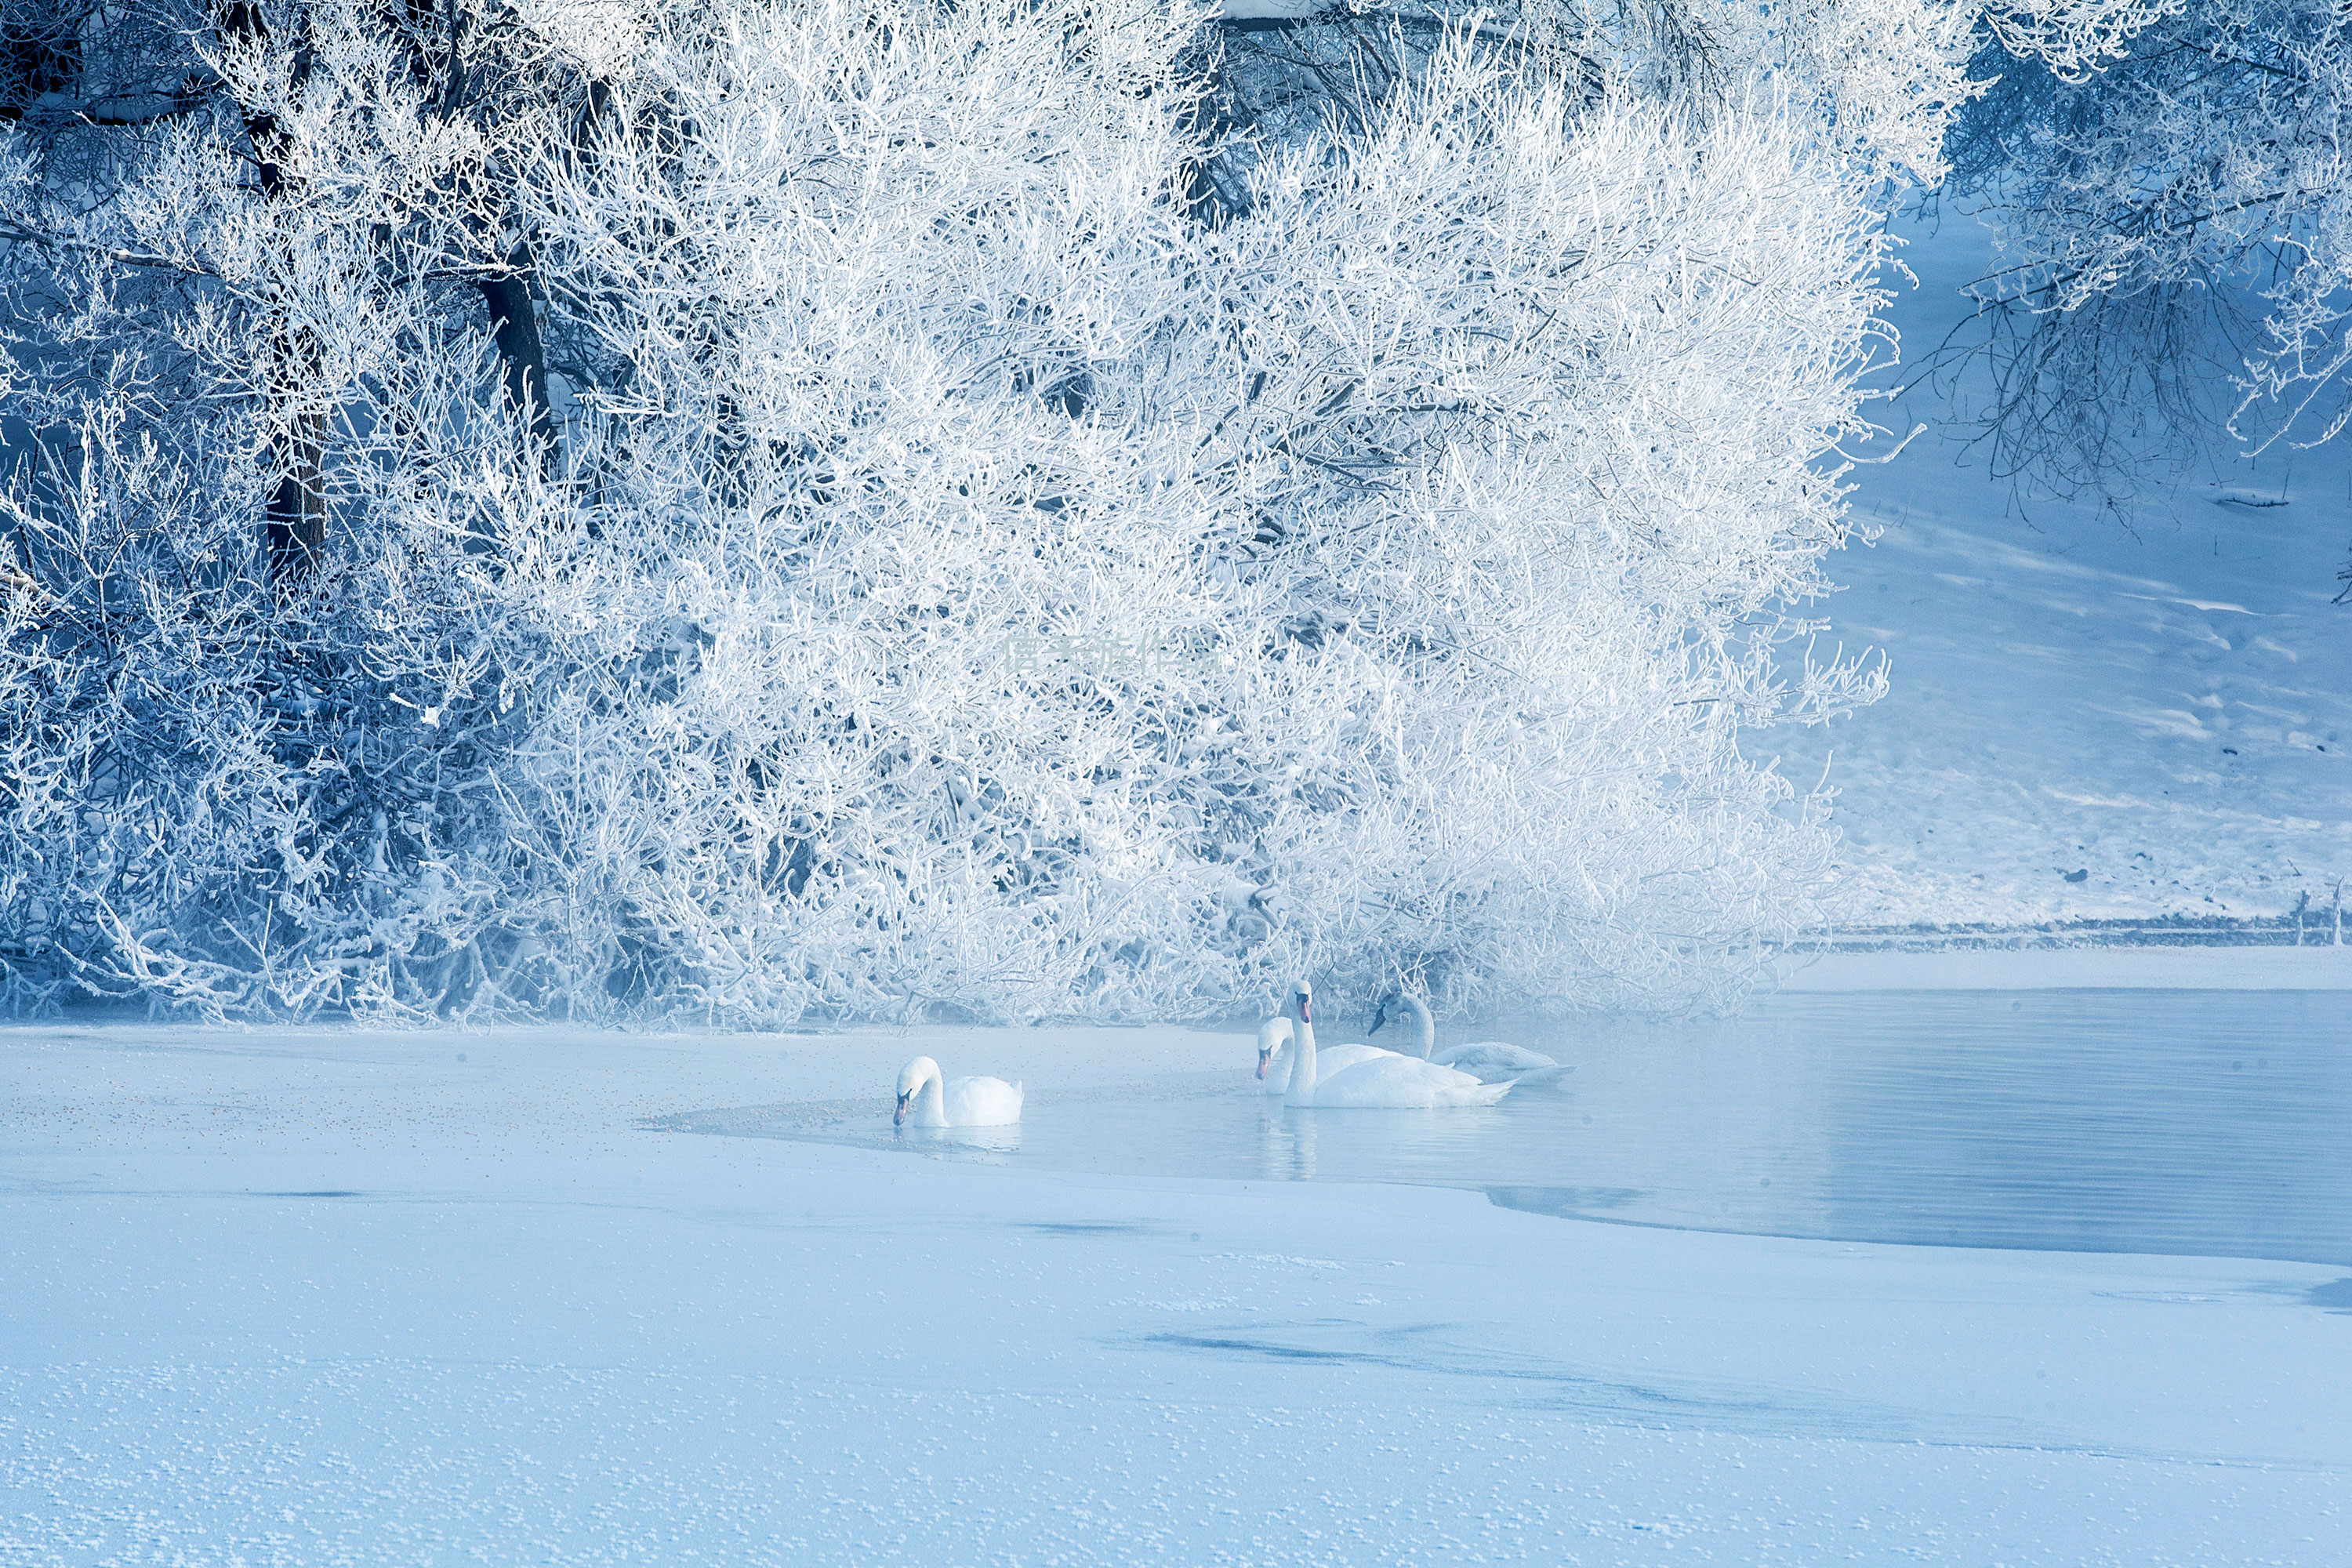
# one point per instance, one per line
(306, 1297)
(2207, 1123)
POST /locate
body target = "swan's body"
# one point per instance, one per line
(932, 1100)
(1384, 1081)
(1488, 1061)
(1543, 1080)
(1401, 1083)
(1330, 1060)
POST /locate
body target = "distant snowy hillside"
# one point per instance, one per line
(2088, 722)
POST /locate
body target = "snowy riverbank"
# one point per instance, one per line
(280, 1297)
(2092, 716)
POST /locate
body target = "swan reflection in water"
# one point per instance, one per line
(1374, 1145)
(989, 1145)
(1287, 1143)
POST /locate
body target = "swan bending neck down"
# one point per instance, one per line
(1387, 1082)
(1417, 1008)
(933, 1102)
(1489, 1061)
(1273, 1035)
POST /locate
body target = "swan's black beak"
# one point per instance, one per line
(900, 1120)
(1380, 1016)
(1262, 1058)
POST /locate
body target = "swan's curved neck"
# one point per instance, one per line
(1302, 1065)
(932, 1101)
(1428, 1026)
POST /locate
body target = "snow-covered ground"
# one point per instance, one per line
(2087, 721)
(313, 1298)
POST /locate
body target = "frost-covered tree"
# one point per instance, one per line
(2175, 216)
(954, 561)
(1876, 80)
(1405, 554)
(263, 436)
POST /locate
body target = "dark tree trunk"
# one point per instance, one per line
(514, 327)
(297, 507)
(297, 530)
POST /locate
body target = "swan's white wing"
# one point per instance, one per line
(1328, 1060)
(984, 1102)
(1544, 1080)
(1402, 1083)
(1491, 1060)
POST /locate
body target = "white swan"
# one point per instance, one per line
(966, 1103)
(1386, 1083)
(1276, 1054)
(1488, 1061)
(1274, 1036)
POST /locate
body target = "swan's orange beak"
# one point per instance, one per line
(1262, 1058)
(900, 1120)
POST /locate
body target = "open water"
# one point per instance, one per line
(2214, 1123)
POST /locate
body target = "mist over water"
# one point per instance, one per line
(2188, 1122)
